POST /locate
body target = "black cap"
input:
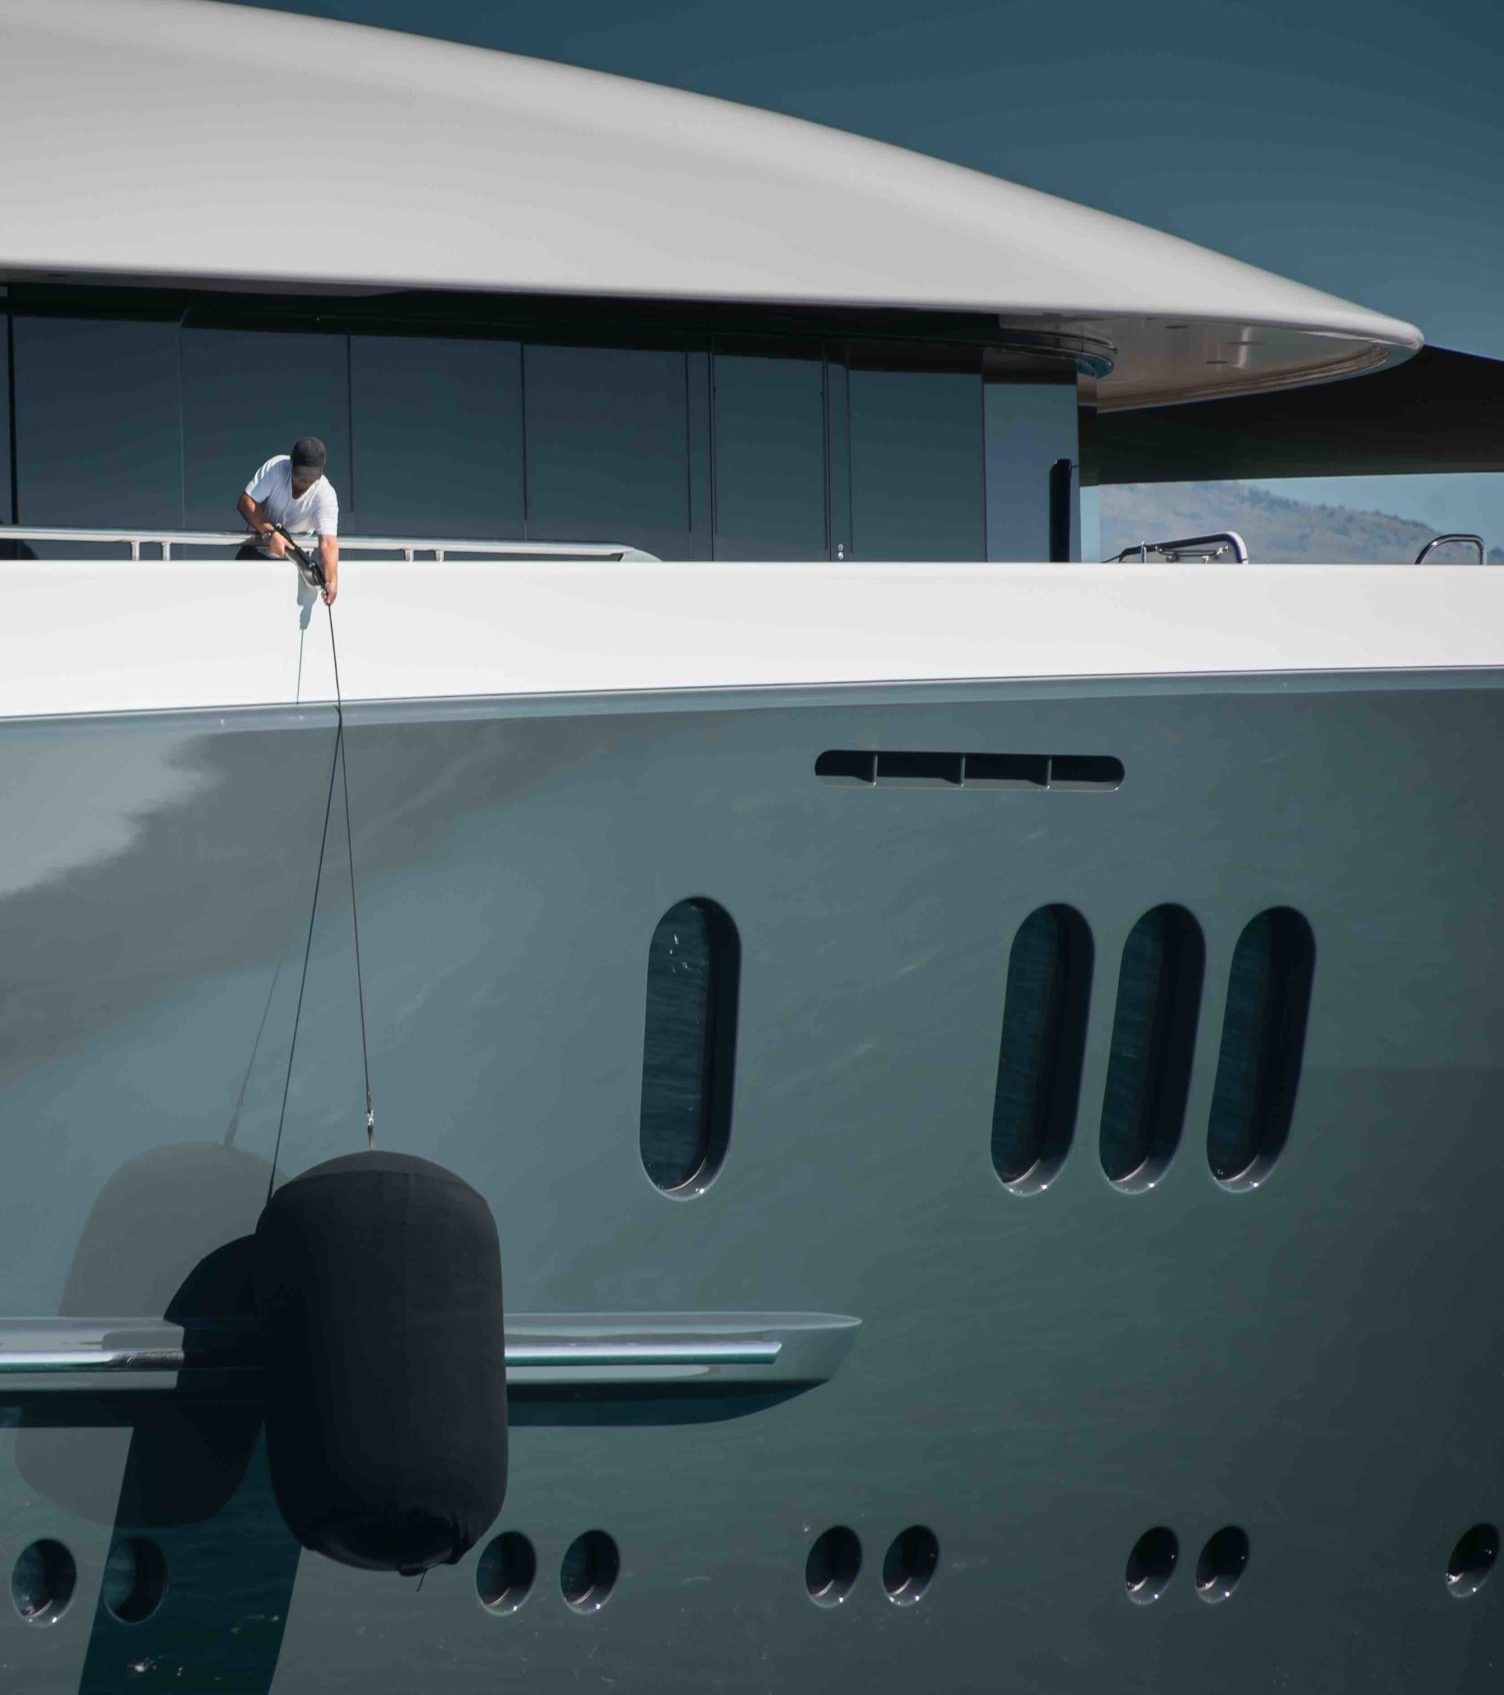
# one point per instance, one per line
(309, 454)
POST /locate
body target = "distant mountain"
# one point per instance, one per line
(1275, 529)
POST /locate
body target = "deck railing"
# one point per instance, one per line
(410, 547)
(1202, 549)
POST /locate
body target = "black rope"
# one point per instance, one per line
(297, 1017)
(233, 1127)
(341, 766)
(343, 757)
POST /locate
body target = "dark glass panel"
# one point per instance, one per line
(916, 463)
(1263, 1042)
(607, 444)
(769, 458)
(1153, 1038)
(7, 512)
(98, 430)
(688, 1044)
(437, 428)
(248, 395)
(1044, 1033)
(1031, 427)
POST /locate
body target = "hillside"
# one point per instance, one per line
(1274, 528)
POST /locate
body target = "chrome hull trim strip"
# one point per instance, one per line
(541, 1349)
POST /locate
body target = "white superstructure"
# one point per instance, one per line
(111, 637)
(441, 166)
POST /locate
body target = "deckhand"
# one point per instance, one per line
(292, 490)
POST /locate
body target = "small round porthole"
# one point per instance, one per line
(912, 1559)
(135, 1579)
(1222, 1563)
(589, 1572)
(505, 1571)
(832, 1567)
(1472, 1560)
(42, 1582)
(1151, 1565)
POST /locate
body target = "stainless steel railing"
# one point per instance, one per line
(1444, 541)
(410, 547)
(1201, 548)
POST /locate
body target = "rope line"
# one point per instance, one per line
(339, 766)
(342, 755)
(297, 1017)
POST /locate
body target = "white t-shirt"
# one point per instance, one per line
(315, 513)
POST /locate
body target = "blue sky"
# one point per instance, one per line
(1357, 145)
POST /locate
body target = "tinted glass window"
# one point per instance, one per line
(98, 437)
(1153, 1040)
(1044, 1033)
(769, 458)
(688, 1044)
(1030, 426)
(916, 463)
(7, 516)
(437, 436)
(249, 394)
(1263, 1042)
(607, 444)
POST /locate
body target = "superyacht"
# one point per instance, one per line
(984, 1063)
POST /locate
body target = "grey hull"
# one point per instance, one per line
(1039, 1377)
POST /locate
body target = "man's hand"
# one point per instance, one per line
(329, 564)
(254, 514)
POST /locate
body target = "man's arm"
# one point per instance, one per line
(329, 560)
(254, 514)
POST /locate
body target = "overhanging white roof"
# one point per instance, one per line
(172, 138)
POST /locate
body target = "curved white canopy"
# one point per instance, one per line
(188, 139)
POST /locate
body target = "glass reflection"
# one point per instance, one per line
(607, 442)
(1030, 426)
(916, 463)
(248, 394)
(437, 436)
(769, 458)
(98, 443)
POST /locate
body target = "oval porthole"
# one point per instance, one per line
(42, 1581)
(1151, 1565)
(505, 1571)
(1263, 1044)
(1222, 1563)
(135, 1579)
(589, 1572)
(1039, 1056)
(1153, 1039)
(834, 1562)
(912, 1559)
(689, 1046)
(1472, 1560)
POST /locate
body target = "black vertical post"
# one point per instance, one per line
(1061, 505)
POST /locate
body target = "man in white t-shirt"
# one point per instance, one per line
(292, 490)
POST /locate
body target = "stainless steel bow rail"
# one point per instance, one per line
(1446, 541)
(410, 547)
(761, 1350)
(1203, 549)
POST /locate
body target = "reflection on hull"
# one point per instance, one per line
(1052, 1367)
